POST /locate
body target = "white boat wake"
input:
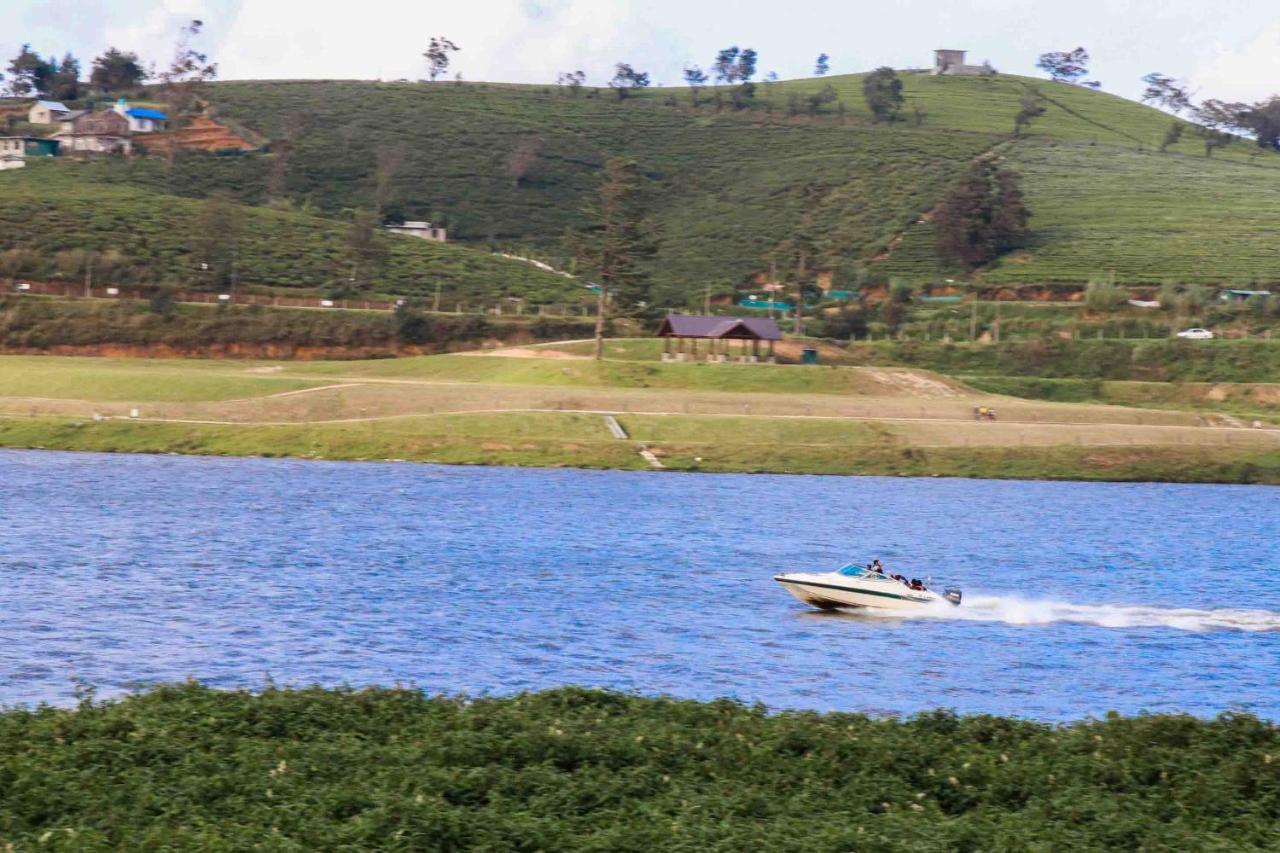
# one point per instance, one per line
(1019, 611)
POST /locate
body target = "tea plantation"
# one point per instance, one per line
(186, 767)
(513, 167)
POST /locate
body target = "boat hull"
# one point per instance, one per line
(827, 592)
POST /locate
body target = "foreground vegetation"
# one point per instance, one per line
(192, 768)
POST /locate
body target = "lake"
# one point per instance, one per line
(1080, 598)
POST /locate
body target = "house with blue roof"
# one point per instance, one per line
(141, 119)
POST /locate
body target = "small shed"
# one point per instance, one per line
(718, 332)
(421, 230)
(1240, 295)
(16, 150)
(47, 112)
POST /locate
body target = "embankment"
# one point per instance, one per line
(165, 330)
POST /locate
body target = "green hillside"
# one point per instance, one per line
(512, 167)
(50, 207)
(726, 182)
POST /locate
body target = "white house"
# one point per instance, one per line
(16, 150)
(141, 119)
(47, 112)
(421, 230)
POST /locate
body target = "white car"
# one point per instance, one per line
(1196, 334)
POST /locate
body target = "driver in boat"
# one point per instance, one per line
(876, 567)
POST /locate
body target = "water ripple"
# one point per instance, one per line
(1080, 598)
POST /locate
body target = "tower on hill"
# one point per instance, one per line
(951, 62)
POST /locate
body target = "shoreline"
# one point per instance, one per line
(383, 442)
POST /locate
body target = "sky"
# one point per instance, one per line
(1228, 49)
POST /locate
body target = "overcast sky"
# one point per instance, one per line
(1227, 49)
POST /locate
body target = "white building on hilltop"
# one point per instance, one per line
(951, 63)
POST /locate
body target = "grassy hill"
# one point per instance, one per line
(50, 207)
(512, 166)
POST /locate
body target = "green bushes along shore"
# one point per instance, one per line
(186, 767)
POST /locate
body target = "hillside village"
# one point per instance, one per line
(116, 129)
(855, 248)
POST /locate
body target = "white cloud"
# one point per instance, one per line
(500, 40)
(1242, 73)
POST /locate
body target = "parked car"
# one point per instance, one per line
(1196, 334)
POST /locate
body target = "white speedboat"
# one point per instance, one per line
(855, 586)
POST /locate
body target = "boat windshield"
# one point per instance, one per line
(853, 570)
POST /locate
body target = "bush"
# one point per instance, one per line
(1105, 295)
(187, 767)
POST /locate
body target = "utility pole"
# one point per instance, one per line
(88, 275)
(706, 301)
(435, 304)
(601, 302)
(973, 319)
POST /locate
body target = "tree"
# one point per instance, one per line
(282, 148)
(797, 255)
(117, 71)
(882, 91)
(572, 79)
(1065, 66)
(215, 237)
(1172, 135)
(626, 79)
(14, 262)
(1030, 108)
(437, 56)
(64, 84)
(822, 66)
(1262, 119)
(390, 160)
(826, 95)
(743, 95)
(29, 74)
(745, 68)
(523, 158)
(365, 249)
(620, 244)
(182, 83)
(1164, 91)
(726, 65)
(1214, 122)
(695, 78)
(981, 217)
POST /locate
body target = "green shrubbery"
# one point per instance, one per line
(188, 767)
(1156, 359)
(31, 323)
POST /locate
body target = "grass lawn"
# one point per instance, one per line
(140, 380)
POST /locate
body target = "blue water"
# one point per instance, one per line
(122, 571)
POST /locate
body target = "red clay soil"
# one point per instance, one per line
(203, 134)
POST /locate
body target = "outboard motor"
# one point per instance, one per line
(951, 594)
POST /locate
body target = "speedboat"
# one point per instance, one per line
(855, 586)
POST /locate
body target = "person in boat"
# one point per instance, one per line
(876, 567)
(899, 578)
(917, 585)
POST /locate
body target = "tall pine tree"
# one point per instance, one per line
(620, 243)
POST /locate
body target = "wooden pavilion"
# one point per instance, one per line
(719, 333)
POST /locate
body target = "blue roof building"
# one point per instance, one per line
(141, 119)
